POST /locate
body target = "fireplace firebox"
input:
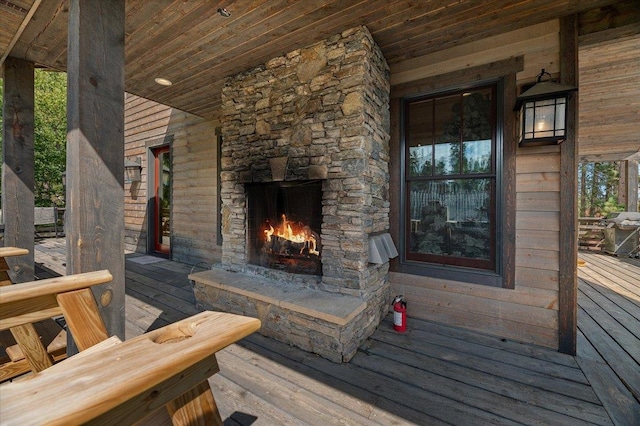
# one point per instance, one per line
(284, 220)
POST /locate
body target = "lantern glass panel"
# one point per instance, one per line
(560, 116)
(528, 118)
(545, 114)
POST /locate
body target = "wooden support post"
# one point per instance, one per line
(568, 274)
(18, 165)
(95, 150)
(631, 172)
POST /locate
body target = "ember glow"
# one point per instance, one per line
(296, 234)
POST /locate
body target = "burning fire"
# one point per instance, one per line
(303, 235)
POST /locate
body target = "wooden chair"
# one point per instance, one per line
(110, 381)
(46, 340)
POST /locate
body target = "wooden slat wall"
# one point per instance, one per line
(194, 156)
(530, 311)
(610, 98)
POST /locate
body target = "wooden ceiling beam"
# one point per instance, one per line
(23, 25)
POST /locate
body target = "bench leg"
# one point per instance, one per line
(34, 351)
(195, 407)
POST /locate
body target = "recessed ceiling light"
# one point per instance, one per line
(163, 81)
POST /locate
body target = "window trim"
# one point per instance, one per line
(499, 276)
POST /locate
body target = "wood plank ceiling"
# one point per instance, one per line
(192, 45)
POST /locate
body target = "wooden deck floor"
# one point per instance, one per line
(609, 331)
(433, 374)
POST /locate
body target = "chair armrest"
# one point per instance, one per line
(34, 301)
(124, 382)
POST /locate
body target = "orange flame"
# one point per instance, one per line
(302, 235)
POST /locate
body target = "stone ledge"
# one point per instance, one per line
(329, 324)
(330, 307)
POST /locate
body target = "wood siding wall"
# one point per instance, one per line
(194, 180)
(530, 311)
(610, 97)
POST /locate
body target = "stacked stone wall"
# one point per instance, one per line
(325, 110)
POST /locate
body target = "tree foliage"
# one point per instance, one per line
(50, 127)
(599, 188)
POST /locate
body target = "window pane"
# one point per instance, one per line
(420, 138)
(451, 218)
(477, 132)
(447, 129)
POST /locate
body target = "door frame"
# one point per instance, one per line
(152, 200)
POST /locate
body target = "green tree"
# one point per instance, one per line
(598, 189)
(50, 124)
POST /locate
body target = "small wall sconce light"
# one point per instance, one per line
(543, 112)
(63, 175)
(133, 170)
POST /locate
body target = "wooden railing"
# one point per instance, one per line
(591, 233)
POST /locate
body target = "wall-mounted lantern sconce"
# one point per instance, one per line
(63, 175)
(543, 112)
(133, 170)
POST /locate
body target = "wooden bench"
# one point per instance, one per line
(46, 339)
(47, 219)
(113, 382)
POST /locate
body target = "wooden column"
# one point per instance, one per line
(568, 280)
(18, 164)
(95, 150)
(623, 191)
(631, 172)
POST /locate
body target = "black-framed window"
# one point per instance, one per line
(450, 178)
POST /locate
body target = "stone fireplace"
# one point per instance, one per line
(305, 149)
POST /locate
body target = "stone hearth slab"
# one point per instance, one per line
(318, 321)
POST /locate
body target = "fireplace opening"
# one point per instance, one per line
(283, 226)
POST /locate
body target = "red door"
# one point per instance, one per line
(162, 201)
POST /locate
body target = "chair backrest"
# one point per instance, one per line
(24, 304)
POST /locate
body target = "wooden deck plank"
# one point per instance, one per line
(618, 305)
(627, 370)
(466, 345)
(167, 288)
(622, 326)
(539, 376)
(237, 406)
(484, 390)
(433, 374)
(508, 346)
(619, 272)
(280, 391)
(608, 273)
(608, 329)
(617, 287)
(391, 394)
(364, 407)
(622, 407)
(154, 296)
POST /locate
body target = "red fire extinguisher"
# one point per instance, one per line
(399, 314)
